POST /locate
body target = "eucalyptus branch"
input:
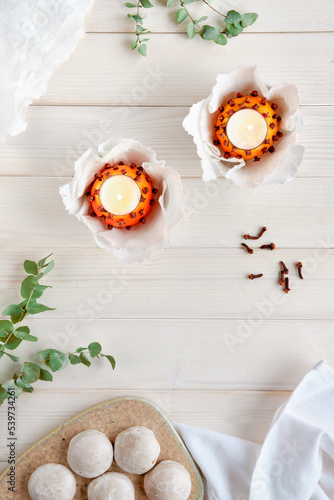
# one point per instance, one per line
(11, 337)
(56, 361)
(139, 29)
(234, 23)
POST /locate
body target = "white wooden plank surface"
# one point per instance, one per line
(199, 330)
(58, 135)
(240, 354)
(188, 283)
(298, 214)
(107, 16)
(104, 71)
(245, 414)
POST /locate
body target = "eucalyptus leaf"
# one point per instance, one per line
(42, 262)
(45, 375)
(16, 313)
(30, 267)
(181, 15)
(48, 268)
(136, 18)
(27, 286)
(142, 49)
(191, 29)
(169, 3)
(25, 386)
(56, 360)
(31, 372)
(234, 30)
(41, 288)
(233, 17)
(13, 342)
(74, 360)
(134, 45)
(10, 385)
(45, 355)
(248, 19)
(94, 349)
(201, 19)
(111, 360)
(38, 308)
(6, 325)
(146, 4)
(189, 1)
(3, 395)
(221, 39)
(130, 5)
(21, 333)
(3, 335)
(84, 360)
(80, 349)
(11, 356)
(209, 32)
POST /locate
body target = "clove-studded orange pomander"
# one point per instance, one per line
(262, 106)
(143, 181)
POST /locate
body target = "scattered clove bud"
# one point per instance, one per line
(287, 289)
(249, 250)
(272, 246)
(299, 267)
(249, 237)
(282, 278)
(254, 276)
(285, 269)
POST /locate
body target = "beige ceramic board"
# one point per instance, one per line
(111, 418)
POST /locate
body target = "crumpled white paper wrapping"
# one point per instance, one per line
(274, 168)
(36, 36)
(139, 243)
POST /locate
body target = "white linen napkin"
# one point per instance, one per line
(296, 460)
(35, 37)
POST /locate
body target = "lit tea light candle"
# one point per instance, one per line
(246, 129)
(120, 195)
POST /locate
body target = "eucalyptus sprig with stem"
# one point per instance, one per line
(233, 22)
(11, 337)
(140, 31)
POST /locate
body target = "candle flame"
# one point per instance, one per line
(250, 127)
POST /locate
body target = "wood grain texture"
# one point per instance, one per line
(240, 354)
(188, 283)
(298, 214)
(188, 329)
(57, 135)
(245, 414)
(104, 71)
(110, 16)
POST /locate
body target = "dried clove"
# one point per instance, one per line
(254, 276)
(285, 269)
(299, 267)
(272, 246)
(249, 250)
(249, 237)
(287, 289)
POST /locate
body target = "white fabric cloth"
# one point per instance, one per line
(296, 460)
(35, 37)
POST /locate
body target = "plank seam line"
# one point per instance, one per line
(138, 106)
(248, 33)
(103, 389)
